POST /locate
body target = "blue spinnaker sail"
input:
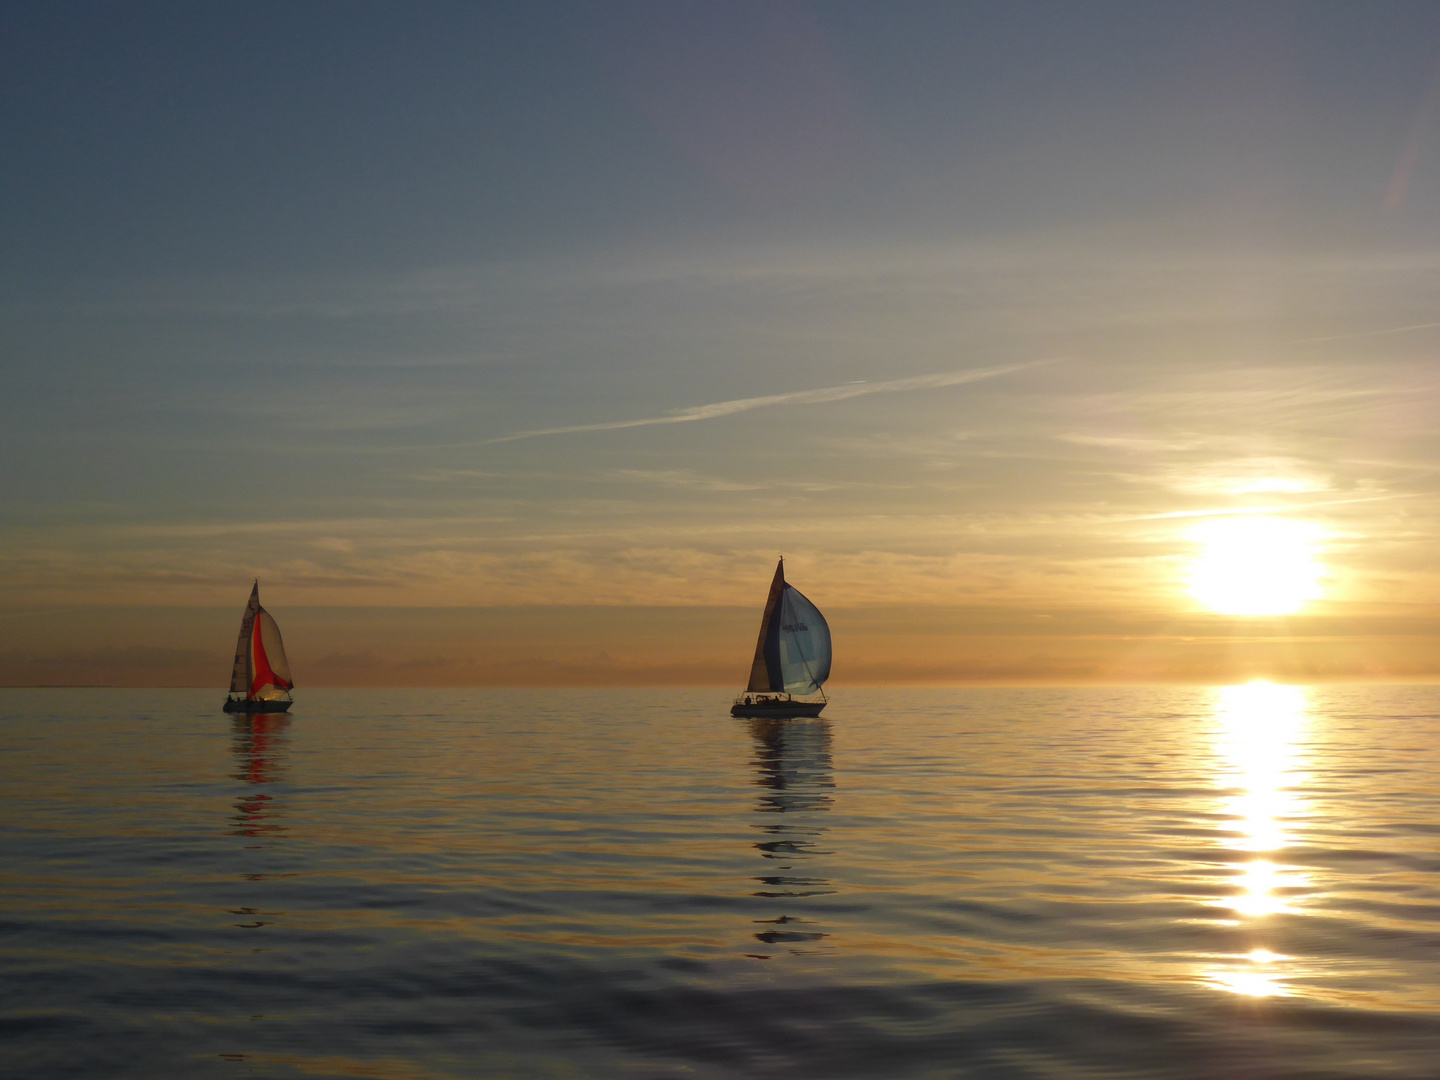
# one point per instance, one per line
(802, 639)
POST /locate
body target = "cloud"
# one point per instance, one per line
(679, 478)
(823, 395)
(1371, 333)
(1279, 508)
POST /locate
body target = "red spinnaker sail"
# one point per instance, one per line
(263, 674)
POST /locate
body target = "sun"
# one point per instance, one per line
(1255, 566)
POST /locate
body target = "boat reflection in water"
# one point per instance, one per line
(259, 742)
(1260, 731)
(793, 759)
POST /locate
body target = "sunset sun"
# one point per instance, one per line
(1255, 566)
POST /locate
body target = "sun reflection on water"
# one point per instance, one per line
(1259, 727)
(1255, 981)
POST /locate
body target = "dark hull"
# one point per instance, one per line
(232, 705)
(777, 710)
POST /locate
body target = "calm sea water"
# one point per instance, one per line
(1228, 883)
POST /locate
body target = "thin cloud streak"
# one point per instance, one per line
(1370, 333)
(800, 397)
(1249, 511)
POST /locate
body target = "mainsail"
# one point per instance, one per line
(262, 670)
(240, 674)
(792, 655)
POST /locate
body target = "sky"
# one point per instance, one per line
(512, 343)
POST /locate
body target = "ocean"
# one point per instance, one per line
(1194, 882)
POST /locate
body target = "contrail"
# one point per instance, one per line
(799, 397)
(1370, 333)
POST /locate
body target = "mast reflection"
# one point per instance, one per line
(1260, 726)
(793, 760)
(259, 742)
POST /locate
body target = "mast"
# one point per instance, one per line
(761, 680)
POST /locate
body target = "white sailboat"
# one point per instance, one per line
(792, 656)
(260, 682)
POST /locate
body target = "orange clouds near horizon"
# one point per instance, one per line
(688, 646)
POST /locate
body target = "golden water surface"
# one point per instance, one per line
(1177, 882)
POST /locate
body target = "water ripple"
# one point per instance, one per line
(1186, 883)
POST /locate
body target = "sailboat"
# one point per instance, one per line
(260, 681)
(792, 656)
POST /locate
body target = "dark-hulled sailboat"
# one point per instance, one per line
(792, 656)
(260, 681)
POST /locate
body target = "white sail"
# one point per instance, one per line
(804, 644)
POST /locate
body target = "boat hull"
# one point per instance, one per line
(777, 710)
(232, 705)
